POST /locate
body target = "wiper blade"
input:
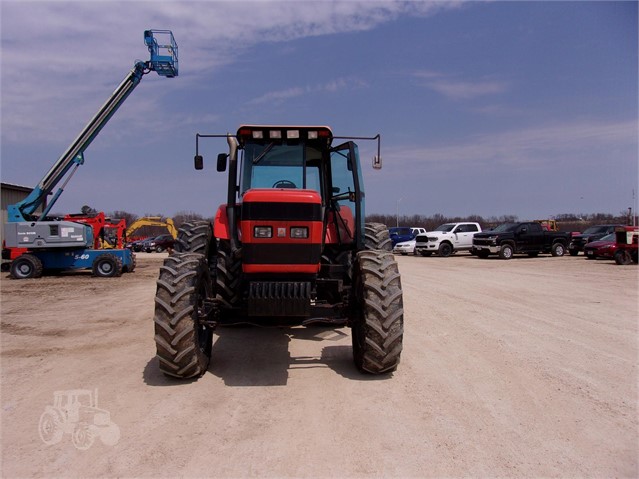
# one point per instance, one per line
(263, 154)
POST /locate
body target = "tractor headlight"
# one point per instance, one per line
(299, 232)
(263, 232)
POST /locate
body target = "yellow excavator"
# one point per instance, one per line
(152, 221)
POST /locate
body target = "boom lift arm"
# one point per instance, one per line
(164, 61)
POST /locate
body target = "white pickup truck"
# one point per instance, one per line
(447, 239)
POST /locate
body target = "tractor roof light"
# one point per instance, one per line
(293, 134)
(275, 134)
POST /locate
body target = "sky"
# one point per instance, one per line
(484, 108)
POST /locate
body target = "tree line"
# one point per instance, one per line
(565, 221)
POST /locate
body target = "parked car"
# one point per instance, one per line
(405, 247)
(136, 245)
(404, 233)
(159, 243)
(593, 233)
(447, 239)
(603, 248)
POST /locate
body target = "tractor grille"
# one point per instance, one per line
(279, 298)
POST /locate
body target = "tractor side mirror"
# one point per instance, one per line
(221, 161)
(377, 162)
(199, 162)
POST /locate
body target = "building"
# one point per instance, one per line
(10, 195)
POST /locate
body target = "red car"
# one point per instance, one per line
(603, 248)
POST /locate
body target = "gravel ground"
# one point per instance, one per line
(520, 368)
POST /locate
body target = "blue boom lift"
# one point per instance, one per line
(62, 245)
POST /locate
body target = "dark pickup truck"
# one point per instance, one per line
(513, 238)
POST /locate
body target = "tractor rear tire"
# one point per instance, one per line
(107, 266)
(183, 341)
(378, 322)
(376, 237)
(26, 266)
(50, 426)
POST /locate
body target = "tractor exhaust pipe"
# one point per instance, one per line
(232, 191)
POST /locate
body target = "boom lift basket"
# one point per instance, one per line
(164, 52)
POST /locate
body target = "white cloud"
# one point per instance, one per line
(57, 57)
(292, 92)
(455, 89)
(529, 148)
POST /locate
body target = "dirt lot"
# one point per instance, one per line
(511, 368)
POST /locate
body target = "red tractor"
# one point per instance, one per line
(108, 233)
(627, 244)
(289, 247)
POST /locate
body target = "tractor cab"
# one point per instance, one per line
(290, 195)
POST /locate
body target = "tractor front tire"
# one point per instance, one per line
(82, 436)
(378, 322)
(194, 237)
(376, 237)
(26, 266)
(227, 276)
(183, 341)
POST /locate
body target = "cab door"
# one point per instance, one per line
(347, 196)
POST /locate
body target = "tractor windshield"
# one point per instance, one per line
(280, 166)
